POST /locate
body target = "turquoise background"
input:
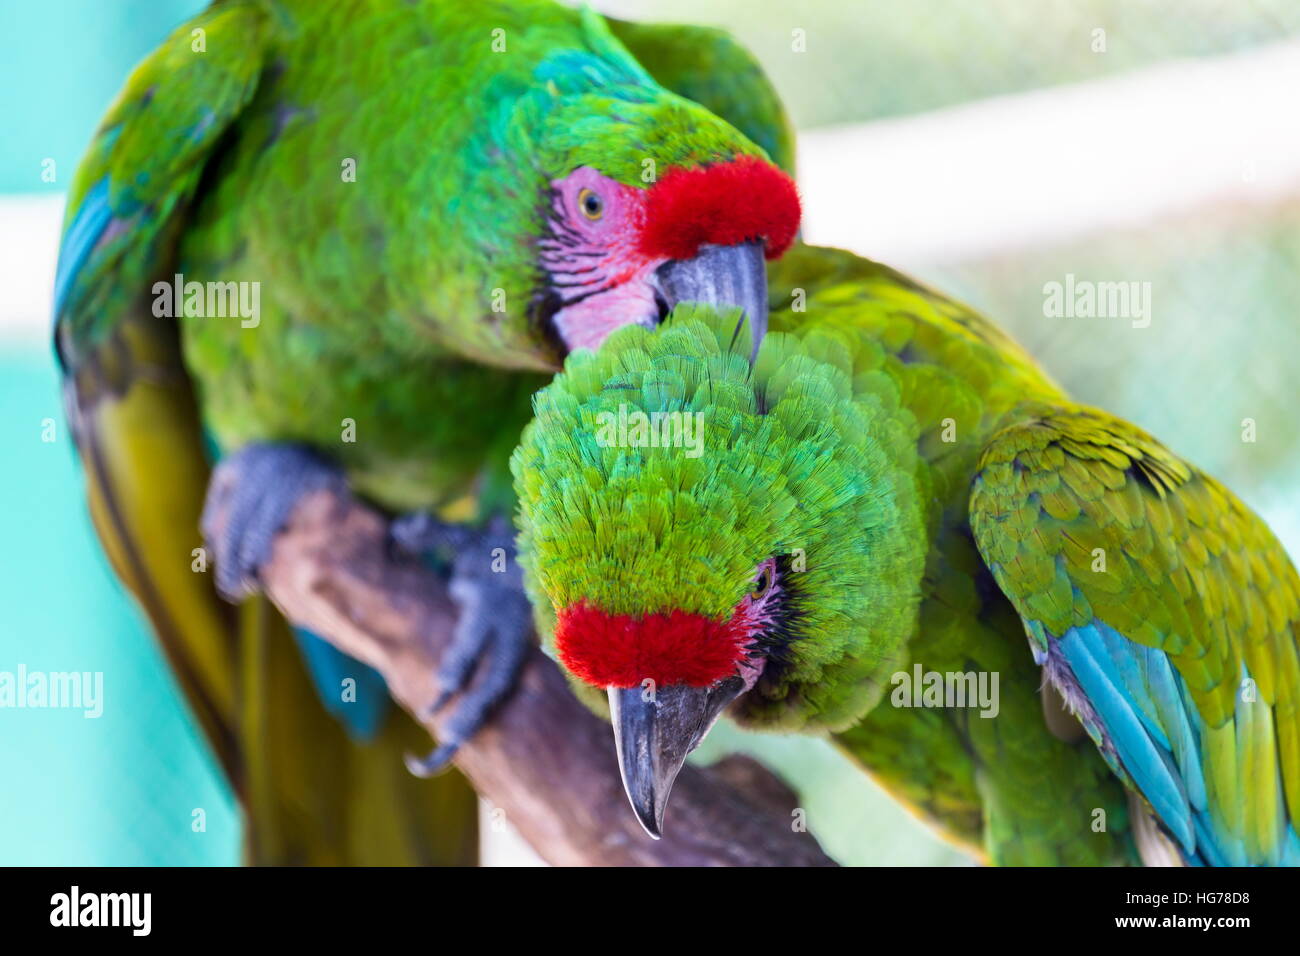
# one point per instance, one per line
(61, 63)
(120, 789)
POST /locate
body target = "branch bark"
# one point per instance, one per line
(544, 759)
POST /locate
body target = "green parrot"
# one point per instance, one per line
(853, 534)
(341, 245)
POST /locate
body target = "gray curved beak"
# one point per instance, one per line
(653, 733)
(732, 276)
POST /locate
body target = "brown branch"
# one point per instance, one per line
(545, 759)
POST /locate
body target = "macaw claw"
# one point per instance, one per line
(490, 644)
(254, 491)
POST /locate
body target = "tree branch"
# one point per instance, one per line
(544, 759)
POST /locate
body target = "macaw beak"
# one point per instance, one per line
(654, 735)
(732, 276)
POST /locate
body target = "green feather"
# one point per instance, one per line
(791, 463)
(228, 156)
(876, 371)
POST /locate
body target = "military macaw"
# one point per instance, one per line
(420, 208)
(893, 491)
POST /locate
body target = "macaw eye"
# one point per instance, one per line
(591, 205)
(763, 583)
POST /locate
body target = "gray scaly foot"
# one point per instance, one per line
(257, 488)
(492, 630)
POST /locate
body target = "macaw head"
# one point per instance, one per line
(615, 253)
(701, 533)
(636, 199)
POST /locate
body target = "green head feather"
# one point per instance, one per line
(573, 99)
(803, 454)
(596, 106)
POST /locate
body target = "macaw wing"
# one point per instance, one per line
(706, 65)
(129, 401)
(1166, 614)
(311, 794)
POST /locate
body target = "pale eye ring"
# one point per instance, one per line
(763, 583)
(590, 204)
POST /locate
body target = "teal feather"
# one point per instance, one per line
(329, 668)
(1085, 650)
(1145, 715)
(83, 232)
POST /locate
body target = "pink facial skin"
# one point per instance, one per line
(755, 614)
(592, 261)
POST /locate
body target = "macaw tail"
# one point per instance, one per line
(353, 693)
(317, 795)
(311, 794)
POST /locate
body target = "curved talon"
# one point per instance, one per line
(507, 654)
(491, 638)
(435, 763)
(469, 645)
(440, 701)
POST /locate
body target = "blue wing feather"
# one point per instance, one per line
(1147, 762)
(329, 667)
(92, 216)
(1138, 709)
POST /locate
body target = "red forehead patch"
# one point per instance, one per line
(746, 198)
(618, 650)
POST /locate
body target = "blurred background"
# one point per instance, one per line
(987, 148)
